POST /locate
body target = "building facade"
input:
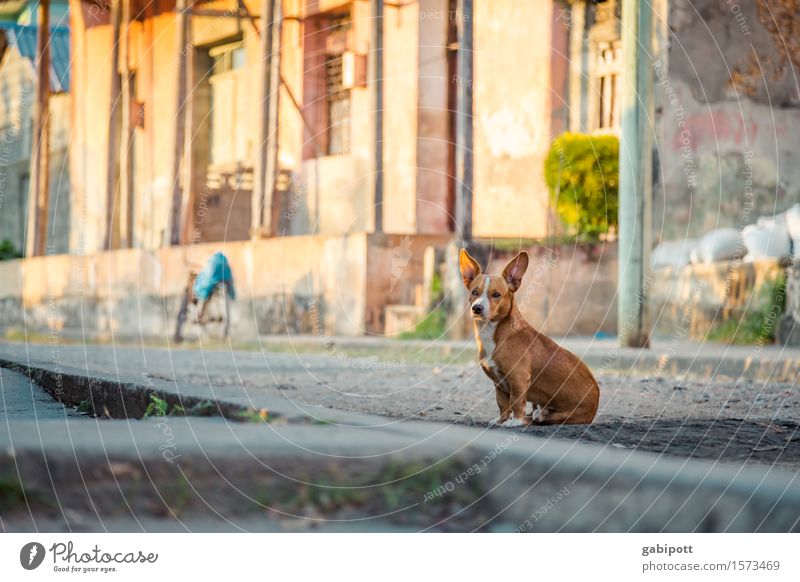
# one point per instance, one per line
(324, 138)
(723, 126)
(18, 34)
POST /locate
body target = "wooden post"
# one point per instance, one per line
(113, 146)
(464, 136)
(376, 76)
(273, 136)
(126, 168)
(181, 21)
(261, 188)
(188, 182)
(635, 179)
(39, 191)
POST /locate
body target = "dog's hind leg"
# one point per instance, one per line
(504, 404)
(577, 416)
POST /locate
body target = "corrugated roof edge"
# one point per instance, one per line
(24, 39)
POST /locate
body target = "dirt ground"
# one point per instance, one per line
(723, 419)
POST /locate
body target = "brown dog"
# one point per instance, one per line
(524, 364)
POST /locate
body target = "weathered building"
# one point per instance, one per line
(130, 166)
(17, 93)
(167, 138)
(324, 139)
(726, 121)
(726, 133)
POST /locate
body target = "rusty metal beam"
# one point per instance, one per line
(39, 191)
(113, 147)
(182, 25)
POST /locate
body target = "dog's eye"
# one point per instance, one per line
(496, 295)
(474, 292)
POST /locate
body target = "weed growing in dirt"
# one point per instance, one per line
(432, 326)
(156, 407)
(251, 415)
(759, 324)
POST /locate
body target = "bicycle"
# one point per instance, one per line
(212, 315)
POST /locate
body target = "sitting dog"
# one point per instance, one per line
(524, 364)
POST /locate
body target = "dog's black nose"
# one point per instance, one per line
(477, 309)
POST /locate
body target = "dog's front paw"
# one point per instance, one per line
(513, 423)
(497, 421)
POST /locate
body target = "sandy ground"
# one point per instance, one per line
(723, 419)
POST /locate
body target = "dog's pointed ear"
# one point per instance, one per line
(515, 270)
(469, 267)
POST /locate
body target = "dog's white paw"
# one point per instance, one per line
(513, 423)
(496, 421)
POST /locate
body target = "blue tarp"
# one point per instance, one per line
(217, 270)
(24, 38)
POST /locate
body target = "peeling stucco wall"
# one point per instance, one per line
(304, 284)
(17, 94)
(512, 117)
(567, 289)
(727, 116)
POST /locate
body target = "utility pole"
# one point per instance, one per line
(261, 222)
(464, 137)
(376, 74)
(273, 135)
(635, 180)
(39, 191)
(457, 322)
(113, 148)
(181, 23)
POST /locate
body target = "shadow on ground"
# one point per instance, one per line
(725, 440)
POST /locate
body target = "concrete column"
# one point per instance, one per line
(635, 166)
(113, 144)
(578, 65)
(182, 33)
(376, 77)
(262, 192)
(127, 123)
(464, 129)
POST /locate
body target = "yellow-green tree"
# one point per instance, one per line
(582, 173)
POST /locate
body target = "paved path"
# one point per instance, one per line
(22, 399)
(723, 419)
(345, 446)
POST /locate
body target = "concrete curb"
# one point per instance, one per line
(117, 398)
(418, 475)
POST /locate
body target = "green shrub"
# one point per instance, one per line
(759, 323)
(432, 327)
(8, 250)
(582, 173)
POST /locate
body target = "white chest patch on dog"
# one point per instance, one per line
(484, 335)
(484, 330)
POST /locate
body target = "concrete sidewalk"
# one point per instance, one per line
(313, 466)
